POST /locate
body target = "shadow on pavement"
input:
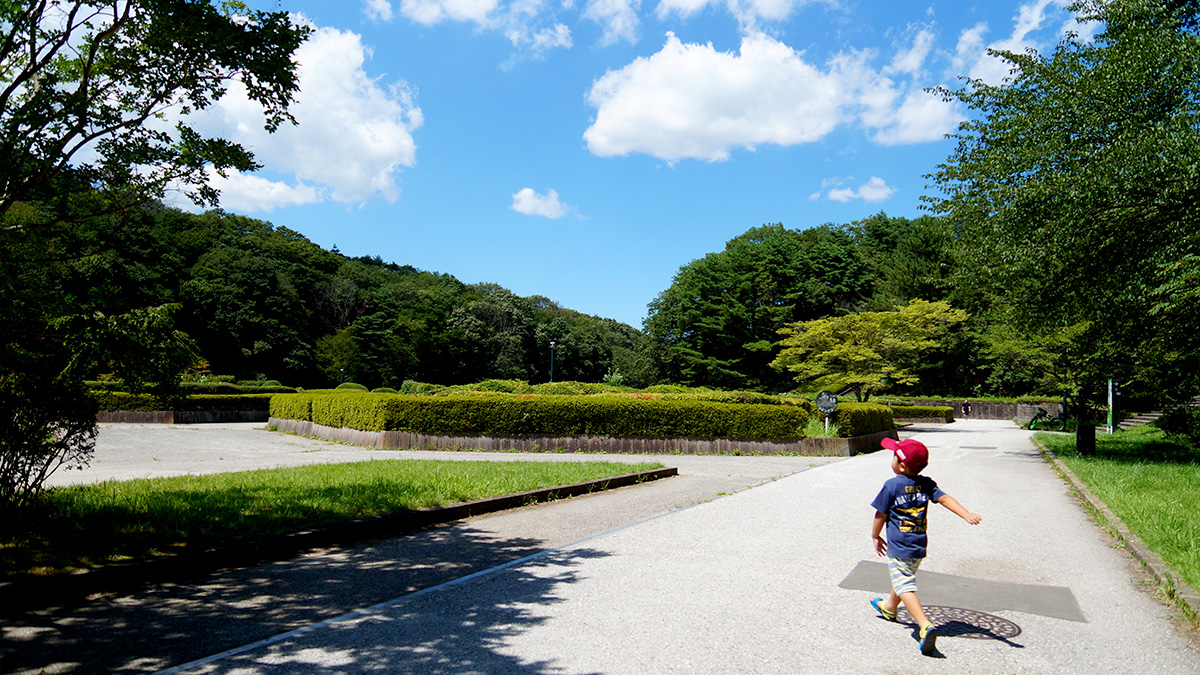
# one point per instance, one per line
(178, 623)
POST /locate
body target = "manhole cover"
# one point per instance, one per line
(967, 623)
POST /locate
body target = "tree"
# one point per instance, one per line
(85, 89)
(85, 84)
(1074, 192)
(867, 351)
(718, 320)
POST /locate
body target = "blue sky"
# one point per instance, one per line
(585, 150)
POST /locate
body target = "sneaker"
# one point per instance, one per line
(928, 640)
(877, 603)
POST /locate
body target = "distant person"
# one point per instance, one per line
(965, 408)
(902, 505)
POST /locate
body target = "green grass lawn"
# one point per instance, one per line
(1152, 483)
(90, 525)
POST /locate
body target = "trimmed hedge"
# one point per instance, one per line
(413, 387)
(117, 400)
(859, 419)
(193, 388)
(923, 412)
(501, 415)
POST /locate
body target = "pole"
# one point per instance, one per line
(552, 360)
(1111, 401)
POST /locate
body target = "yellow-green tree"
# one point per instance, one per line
(865, 351)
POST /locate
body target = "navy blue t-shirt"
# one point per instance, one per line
(905, 502)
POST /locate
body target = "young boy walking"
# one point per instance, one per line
(902, 505)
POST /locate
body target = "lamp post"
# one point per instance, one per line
(552, 360)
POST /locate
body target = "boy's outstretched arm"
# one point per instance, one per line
(877, 532)
(958, 509)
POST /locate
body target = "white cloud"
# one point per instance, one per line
(691, 101)
(912, 59)
(247, 192)
(530, 203)
(378, 10)
(747, 12)
(920, 118)
(539, 42)
(619, 18)
(874, 190)
(429, 12)
(1027, 33)
(353, 134)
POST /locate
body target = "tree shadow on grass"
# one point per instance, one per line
(178, 623)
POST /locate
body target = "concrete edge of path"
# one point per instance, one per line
(1174, 586)
(31, 591)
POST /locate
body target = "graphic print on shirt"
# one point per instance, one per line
(912, 519)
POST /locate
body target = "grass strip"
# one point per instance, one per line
(1149, 481)
(116, 521)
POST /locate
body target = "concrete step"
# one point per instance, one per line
(1138, 420)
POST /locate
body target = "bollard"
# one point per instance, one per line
(1085, 438)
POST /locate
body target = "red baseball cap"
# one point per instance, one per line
(913, 453)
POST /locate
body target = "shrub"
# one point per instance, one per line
(266, 389)
(505, 386)
(293, 406)
(351, 386)
(667, 389)
(238, 403)
(411, 387)
(504, 415)
(923, 412)
(116, 400)
(384, 390)
(573, 389)
(1182, 422)
(47, 424)
(860, 419)
(209, 388)
(104, 385)
(718, 396)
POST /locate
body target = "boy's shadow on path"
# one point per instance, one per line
(177, 623)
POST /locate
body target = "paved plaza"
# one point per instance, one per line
(738, 565)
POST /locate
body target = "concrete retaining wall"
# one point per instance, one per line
(392, 440)
(996, 410)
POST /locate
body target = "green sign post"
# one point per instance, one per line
(1112, 405)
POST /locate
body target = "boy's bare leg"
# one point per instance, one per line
(913, 605)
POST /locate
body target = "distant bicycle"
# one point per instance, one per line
(1043, 420)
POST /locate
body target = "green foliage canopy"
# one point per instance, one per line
(85, 85)
(866, 351)
(718, 320)
(1076, 187)
(85, 91)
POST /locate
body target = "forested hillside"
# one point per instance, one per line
(264, 302)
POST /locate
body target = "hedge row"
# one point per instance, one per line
(860, 419)
(550, 415)
(194, 388)
(668, 392)
(117, 400)
(923, 412)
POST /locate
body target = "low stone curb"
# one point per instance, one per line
(1154, 564)
(30, 591)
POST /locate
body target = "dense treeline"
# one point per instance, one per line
(719, 321)
(264, 302)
